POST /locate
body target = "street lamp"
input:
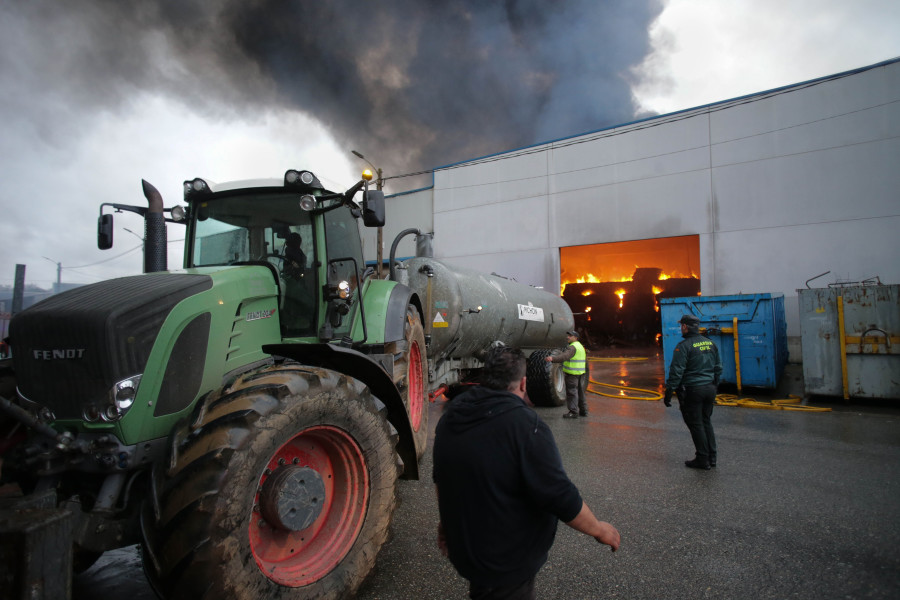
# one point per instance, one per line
(379, 243)
(58, 273)
(135, 235)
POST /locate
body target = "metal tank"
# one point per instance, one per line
(851, 341)
(466, 310)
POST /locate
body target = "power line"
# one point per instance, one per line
(126, 253)
(106, 260)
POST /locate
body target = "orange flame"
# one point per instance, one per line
(678, 257)
(591, 278)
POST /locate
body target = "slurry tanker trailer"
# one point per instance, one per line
(245, 419)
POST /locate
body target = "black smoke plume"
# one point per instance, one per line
(413, 84)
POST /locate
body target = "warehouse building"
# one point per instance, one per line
(769, 193)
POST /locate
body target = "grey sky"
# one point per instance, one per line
(97, 95)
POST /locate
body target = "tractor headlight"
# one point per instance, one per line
(111, 414)
(91, 413)
(177, 213)
(344, 290)
(307, 202)
(121, 398)
(125, 391)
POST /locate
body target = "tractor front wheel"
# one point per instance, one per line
(283, 487)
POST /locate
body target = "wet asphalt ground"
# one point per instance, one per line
(801, 505)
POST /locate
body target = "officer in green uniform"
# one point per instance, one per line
(574, 360)
(694, 376)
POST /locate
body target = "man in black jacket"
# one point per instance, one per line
(501, 485)
(694, 375)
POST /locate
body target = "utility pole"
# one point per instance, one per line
(18, 290)
(379, 242)
(58, 275)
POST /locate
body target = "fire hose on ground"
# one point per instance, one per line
(645, 394)
(792, 402)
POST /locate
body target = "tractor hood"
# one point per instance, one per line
(73, 347)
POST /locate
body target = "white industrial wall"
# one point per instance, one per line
(404, 211)
(780, 187)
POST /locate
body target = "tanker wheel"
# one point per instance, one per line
(411, 375)
(283, 487)
(546, 381)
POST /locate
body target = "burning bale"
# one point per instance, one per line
(614, 298)
(625, 312)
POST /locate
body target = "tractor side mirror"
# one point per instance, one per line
(105, 232)
(373, 208)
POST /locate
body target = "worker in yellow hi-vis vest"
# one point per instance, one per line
(574, 360)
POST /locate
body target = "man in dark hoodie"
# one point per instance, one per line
(501, 485)
(694, 375)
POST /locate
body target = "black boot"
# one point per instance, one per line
(697, 463)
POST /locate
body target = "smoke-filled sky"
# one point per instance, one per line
(97, 94)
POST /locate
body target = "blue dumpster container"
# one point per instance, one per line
(761, 333)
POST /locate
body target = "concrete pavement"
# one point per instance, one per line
(801, 505)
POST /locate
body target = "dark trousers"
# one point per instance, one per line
(696, 410)
(521, 591)
(575, 386)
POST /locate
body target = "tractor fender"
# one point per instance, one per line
(359, 366)
(401, 297)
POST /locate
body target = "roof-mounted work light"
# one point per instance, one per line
(195, 187)
(295, 178)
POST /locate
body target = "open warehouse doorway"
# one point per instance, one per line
(613, 289)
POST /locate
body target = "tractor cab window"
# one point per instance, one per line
(218, 241)
(248, 228)
(253, 228)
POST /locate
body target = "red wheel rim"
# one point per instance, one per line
(299, 558)
(416, 387)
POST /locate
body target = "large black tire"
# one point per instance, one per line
(546, 381)
(282, 486)
(411, 376)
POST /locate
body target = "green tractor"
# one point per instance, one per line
(244, 419)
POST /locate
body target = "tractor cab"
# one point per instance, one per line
(307, 236)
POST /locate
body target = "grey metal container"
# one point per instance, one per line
(466, 310)
(860, 359)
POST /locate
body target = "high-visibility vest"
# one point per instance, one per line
(576, 364)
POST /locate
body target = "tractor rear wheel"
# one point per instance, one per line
(546, 380)
(281, 486)
(411, 376)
